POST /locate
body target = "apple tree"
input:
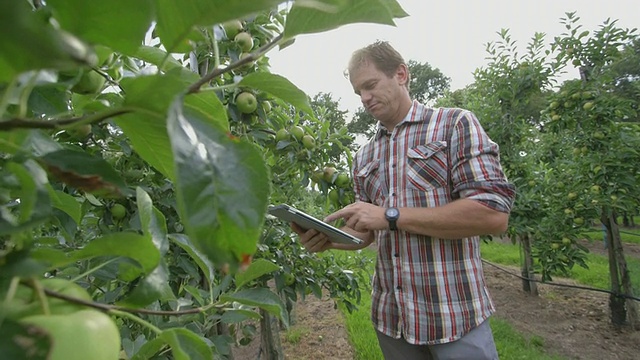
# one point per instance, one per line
(139, 154)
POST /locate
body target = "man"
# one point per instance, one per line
(427, 185)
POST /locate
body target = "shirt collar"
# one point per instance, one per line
(409, 117)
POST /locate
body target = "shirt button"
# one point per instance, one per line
(396, 255)
(393, 194)
(398, 287)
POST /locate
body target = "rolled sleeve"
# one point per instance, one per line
(476, 170)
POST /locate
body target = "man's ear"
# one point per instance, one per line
(402, 74)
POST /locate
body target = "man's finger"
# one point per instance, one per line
(342, 213)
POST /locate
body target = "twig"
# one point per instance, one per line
(21, 123)
(253, 56)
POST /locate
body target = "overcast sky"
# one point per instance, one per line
(448, 34)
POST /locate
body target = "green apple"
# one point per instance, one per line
(118, 211)
(595, 189)
(334, 197)
(297, 132)
(308, 142)
(342, 180)
(282, 135)
(232, 28)
(566, 241)
(244, 40)
(572, 195)
(246, 102)
(85, 334)
(90, 83)
(328, 174)
(578, 221)
(588, 105)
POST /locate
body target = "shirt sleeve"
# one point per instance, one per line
(475, 166)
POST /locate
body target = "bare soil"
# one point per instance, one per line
(572, 323)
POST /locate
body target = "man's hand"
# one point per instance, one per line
(361, 216)
(312, 240)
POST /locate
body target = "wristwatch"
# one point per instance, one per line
(392, 214)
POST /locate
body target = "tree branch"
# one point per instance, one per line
(20, 123)
(107, 307)
(253, 56)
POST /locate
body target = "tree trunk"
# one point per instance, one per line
(270, 346)
(528, 286)
(619, 273)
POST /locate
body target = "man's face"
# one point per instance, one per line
(379, 93)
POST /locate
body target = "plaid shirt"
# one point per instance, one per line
(430, 290)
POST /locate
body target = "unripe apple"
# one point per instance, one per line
(297, 132)
(309, 142)
(232, 28)
(85, 334)
(282, 135)
(328, 174)
(246, 102)
(244, 40)
(118, 211)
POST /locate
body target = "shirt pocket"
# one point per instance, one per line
(427, 167)
(370, 178)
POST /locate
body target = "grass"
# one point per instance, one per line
(294, 334)
(631, 236)
(597, 275)
(512, 345)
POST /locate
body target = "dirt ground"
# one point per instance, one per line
(572, 323)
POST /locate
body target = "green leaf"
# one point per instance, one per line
(49, 99)
(154, 286)
(148, 349)
(11, 141)
(255, 270)
(125, 244)
(207, 105)
(18, 341)
(186, 345)
(81, 170)
(147, 128)
(304, 20)
(35, 204)
(203, 263)
(163, 60)
(278, 86)
(29, 41)
(222, 187)
(177, 19)
(238, 315)
(260, 297)
(105, 22)
(152, 221)
(66, 203)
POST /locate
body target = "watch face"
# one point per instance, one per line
(392, 212)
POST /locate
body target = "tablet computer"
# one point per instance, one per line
(306, 221)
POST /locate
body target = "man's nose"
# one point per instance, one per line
(365, 96)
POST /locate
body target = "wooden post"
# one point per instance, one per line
(527, 272)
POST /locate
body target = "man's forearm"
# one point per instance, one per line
(459, 219)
